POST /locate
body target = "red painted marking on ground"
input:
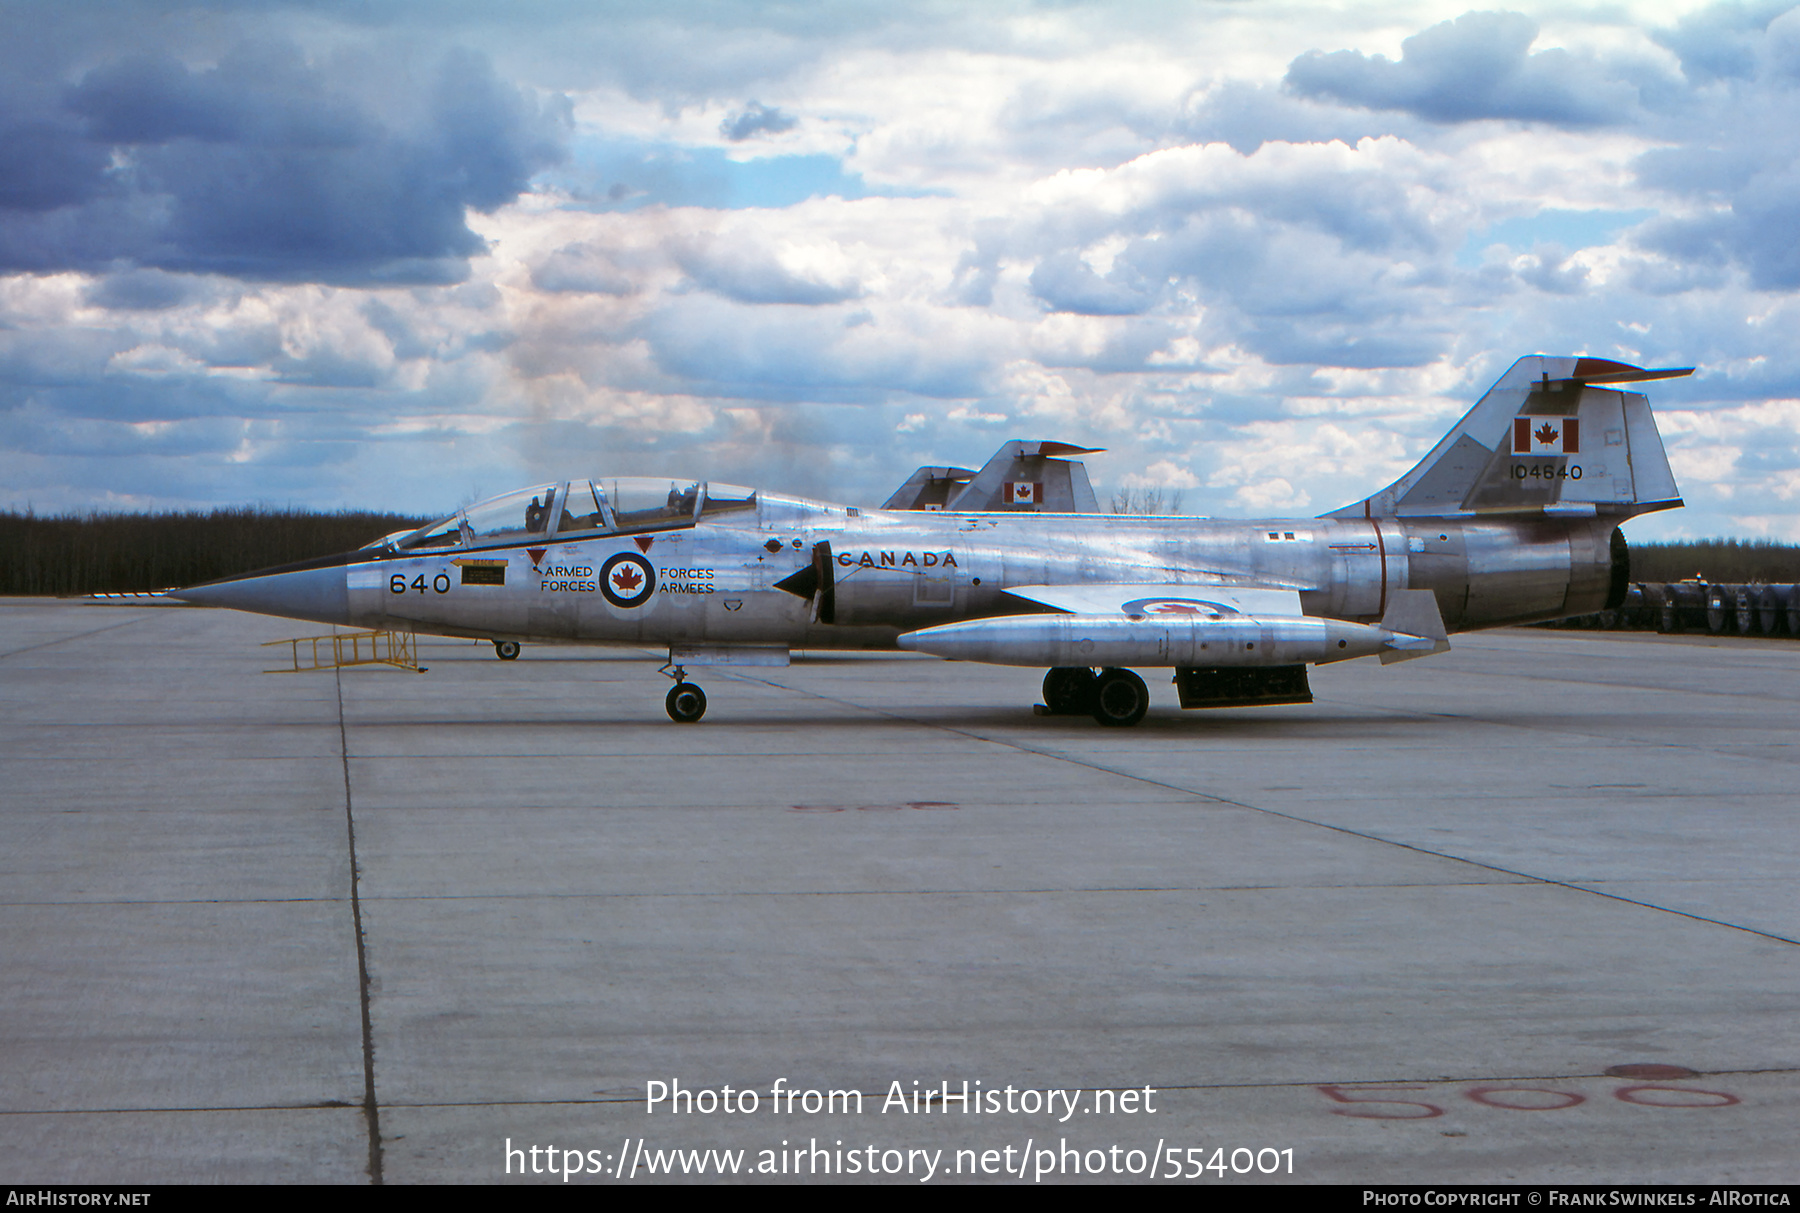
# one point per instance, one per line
(1652, 1070)
(1486, 1095)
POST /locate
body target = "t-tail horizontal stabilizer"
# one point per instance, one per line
(1552, 437)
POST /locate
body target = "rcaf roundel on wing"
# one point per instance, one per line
(1177, 608)
(1546, 436)
(1023, 492)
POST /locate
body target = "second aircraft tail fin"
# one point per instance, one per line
(1020, 476)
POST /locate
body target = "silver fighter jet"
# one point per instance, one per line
(1512, 518)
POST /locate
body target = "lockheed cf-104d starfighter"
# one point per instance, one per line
(1512, 518)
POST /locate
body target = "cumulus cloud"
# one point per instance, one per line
(1549, 268)
(1295, 254)
(756, 119)
(281, 253)
(46, 164)
(1732, 179)
(792, 353)
(142, 290)
(1478, 66)
(1754, 232)
(1246, 115)
(1781, 46)
(584, 268)
(1720, 41)
(1067, 284)
(265, 166)
(752, 274)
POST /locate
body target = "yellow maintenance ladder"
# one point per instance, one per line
(398, 649)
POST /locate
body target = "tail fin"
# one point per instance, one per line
(1020, 476)
(929, 488)
(1548, 438)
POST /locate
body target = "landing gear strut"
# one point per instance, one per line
(686, 702)
(506, 650)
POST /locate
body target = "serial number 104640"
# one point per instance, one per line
(1546, 471)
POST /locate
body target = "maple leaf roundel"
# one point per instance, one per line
(1175, 608)
(627, 580)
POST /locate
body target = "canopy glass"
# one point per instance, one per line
(620, 505)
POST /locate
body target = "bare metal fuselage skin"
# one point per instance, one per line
(895, 572)
(1511, 518)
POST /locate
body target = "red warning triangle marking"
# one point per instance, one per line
(643, 542)
(537, 555)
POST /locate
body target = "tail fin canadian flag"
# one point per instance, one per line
(1546, 436)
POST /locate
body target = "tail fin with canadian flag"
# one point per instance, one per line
(1020, 476)
(1552, 437)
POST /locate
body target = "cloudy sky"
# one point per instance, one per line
(406, 255)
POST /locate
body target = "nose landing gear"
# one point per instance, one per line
(506, 650)
(685, 702)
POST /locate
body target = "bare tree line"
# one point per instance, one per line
(93, 553)
(1738, 560)
(1157, 500)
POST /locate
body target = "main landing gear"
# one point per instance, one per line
(1116, 698)
(506, 650)
(686, 702)
(1069, 691)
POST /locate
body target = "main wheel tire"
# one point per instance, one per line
(1120, 699)
(686, 703)
(1069, 691)
(506, 650)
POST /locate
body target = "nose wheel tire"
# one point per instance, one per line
(1120, 699)
(506, 650)
(686, 703)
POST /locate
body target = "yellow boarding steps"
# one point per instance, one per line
(397, 649)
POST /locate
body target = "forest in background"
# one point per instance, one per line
(1738, 560)
(114, 553)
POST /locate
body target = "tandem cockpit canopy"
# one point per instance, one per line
(621, 505)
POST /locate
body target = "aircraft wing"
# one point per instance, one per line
(1163, 599)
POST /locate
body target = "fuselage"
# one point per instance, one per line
(719, 582)
(1511, 518)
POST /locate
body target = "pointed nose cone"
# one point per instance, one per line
(321, 595)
